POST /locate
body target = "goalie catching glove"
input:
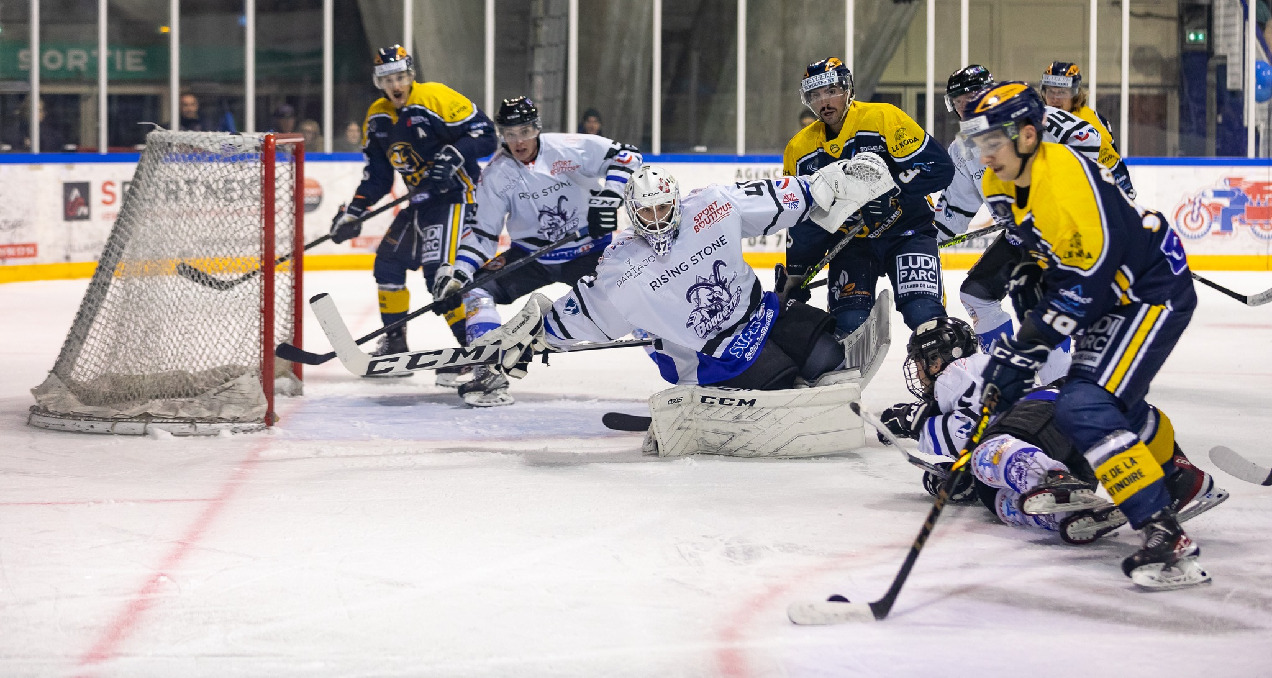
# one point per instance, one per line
(519, 338)
(842, 188)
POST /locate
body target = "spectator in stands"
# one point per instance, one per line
(351, 142)
(191, 120)
(53, 138)
(312, 131)
(591, 122)
(806, 118)
(285, 119)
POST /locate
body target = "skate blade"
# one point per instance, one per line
(825, 612)
(447, 380)
(1045, 504)
(1202, 503)
(1158, 577)
(496, 399)
(392, 375)
(1081, 530)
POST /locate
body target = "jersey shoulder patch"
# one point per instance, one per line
(444, 102)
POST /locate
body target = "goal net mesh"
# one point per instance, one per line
(150, 341)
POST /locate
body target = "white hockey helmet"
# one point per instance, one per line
(653, 204)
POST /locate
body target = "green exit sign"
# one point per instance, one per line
(1196, 37)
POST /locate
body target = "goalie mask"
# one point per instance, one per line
(393, 67)
(963, 83)
(652, 198)
(933, 346)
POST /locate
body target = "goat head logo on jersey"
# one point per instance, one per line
(555, 222)
(714, 300)
(407, 162)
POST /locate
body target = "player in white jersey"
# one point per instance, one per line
(1022, 453)
(681, 277)
(540, 187)
(983, 290)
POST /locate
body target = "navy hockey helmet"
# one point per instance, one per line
(1006, 106)
(390, 61)
(934, 345)
(1062, 74)
(967, 80)
(825, 73)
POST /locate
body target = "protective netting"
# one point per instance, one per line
(170, 328)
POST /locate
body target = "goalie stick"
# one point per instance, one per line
(869, 418)
(1232, 463)
(296, 354)
(208, 280)
(838, 609)
(362, 363)
(1249, 300)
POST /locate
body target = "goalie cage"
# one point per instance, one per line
(176, 331)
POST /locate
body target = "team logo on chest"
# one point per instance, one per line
(714, 299)
(555, 222)
(407, 162)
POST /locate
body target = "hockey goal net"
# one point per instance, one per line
(199, 279)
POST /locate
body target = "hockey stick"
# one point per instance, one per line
(203, 278)
(957, 240)
(362, 363)
(1249, 300)
(879, 426)
(839, 609)
(1232, 463)
(298, 355)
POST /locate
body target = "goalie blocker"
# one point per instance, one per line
(812, 420)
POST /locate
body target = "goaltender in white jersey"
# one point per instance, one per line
(681, 277)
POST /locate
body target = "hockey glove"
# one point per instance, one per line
(602, 213)
(789, 286)
(449, 280)
(1025, 288)
(905, 420)
(1012, 366)
(345, 226)
(881, 213)
(443, 168)
(962, 493)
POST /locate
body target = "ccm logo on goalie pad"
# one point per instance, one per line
(720, 400)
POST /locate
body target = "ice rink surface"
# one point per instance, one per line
(383, 529)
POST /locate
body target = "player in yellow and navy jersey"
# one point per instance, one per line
(432, 136)
(898, 238)
(1115, 278)
(1062, 88)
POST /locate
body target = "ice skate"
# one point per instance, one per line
(1086, 526)
(1192, 490)
(1060, 491)
(390, 343)
(488, 388)
(454, 376)
(1168, 559)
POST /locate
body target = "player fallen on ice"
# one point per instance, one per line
(1116, 279)
(540, 187)
(680, 276)
(1025, 470)
(898, 238)
(985, 286)
(432, 136)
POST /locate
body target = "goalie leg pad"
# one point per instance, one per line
(867, 346)
(806, 422)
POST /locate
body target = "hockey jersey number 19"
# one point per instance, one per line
(702, 299)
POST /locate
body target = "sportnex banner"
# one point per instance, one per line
(54, 218)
